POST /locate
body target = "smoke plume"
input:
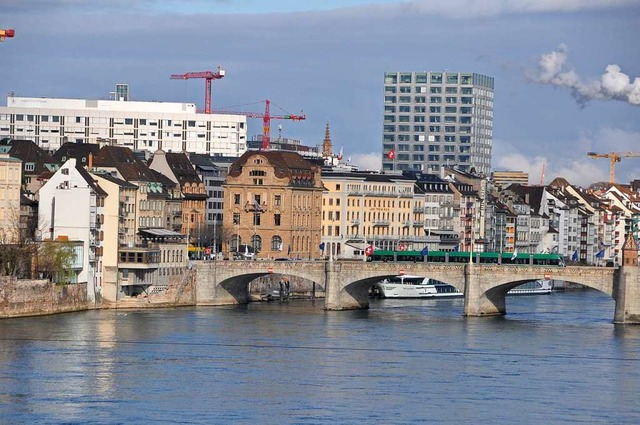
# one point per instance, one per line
(554, 70)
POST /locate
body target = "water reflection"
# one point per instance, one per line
(551, 359)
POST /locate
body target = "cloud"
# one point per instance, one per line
(367, 161)
(554, 70)
(569, 159)
(488, 8)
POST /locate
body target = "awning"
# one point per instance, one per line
(160, 232)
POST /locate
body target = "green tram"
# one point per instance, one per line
(463, 257)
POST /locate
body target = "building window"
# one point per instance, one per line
(276, 243)
(236, 198)
(236, 218)
(256, 243)
(276, 219)
(277, 200)
(234, 242)
(256, 219)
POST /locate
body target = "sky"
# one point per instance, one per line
(567, 72)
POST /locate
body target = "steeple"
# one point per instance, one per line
(630, 252)
(327, 147)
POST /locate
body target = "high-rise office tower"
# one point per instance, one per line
(436, 119)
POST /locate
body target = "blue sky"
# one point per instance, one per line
(565, 70)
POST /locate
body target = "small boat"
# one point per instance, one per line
(405, 286)
(533, 288)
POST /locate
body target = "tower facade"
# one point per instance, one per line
(436, 119)
(327, 147)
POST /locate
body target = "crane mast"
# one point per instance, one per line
(208, 76)
(266, 121)
(613, 158)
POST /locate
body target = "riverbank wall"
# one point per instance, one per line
(20, 298)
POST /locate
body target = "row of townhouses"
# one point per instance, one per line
(135, 219)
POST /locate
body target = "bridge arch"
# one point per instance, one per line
(347, 283)
(228, 282)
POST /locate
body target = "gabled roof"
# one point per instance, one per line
(116, 180)
(90, 180)
(79, 151)
(182, 168)
(29, 152)
(162, 179)
(126, 162)
(532, 195)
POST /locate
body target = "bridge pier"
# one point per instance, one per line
(478, 301)
(626, 293)
(339, 296)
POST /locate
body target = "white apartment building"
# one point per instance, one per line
(172, 127)
(71, 208)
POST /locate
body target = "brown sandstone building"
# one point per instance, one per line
(273, 206)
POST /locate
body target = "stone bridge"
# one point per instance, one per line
(347, 283)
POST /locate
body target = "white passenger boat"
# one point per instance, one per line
(405, 286)
(534, 288)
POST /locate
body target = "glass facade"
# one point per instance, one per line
(449, 112)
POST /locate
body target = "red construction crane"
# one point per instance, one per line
(266, 121)
(7, 33)
(208, 76)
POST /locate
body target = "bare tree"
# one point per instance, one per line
(17, 246)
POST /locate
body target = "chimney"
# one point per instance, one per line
(90, 161)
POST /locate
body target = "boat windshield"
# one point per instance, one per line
(410, 280)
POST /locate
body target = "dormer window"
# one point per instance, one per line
(29, 166)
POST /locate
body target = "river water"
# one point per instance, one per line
(552, 359)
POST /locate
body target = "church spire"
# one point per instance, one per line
(327, 147)
(630, 251)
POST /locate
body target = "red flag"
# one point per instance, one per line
(391, 154)
(368, 251)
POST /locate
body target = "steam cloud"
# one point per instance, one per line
(553, 69)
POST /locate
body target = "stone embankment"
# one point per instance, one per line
(19, 298)
(23, 298)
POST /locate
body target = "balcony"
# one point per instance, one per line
(418, 223)
(252, 207)
(381, 223)
(355, 222)
(418, 210)
(139, 258)
(406, 223)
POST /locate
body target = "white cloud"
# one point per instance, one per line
(571, 162)
(484, 8)
(555, 70)
(371, 161)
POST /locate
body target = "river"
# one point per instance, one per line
(552, 359)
